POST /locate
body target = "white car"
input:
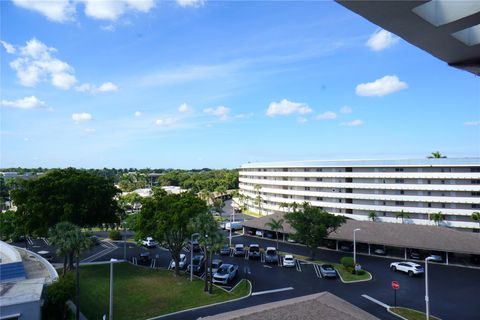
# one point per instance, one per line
(225, 274)
(182, 263)
(149, 242)
(410, 268)
(435, 258)
(288, 261)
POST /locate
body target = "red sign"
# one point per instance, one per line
(395, 285)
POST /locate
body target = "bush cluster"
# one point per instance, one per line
(347, 262)
(115, 235)
(56, 296)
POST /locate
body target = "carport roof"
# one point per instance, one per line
(393, 234)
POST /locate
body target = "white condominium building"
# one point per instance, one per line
(355, 188)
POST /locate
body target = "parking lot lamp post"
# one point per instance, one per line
(232, 218)
(191, 255)
(426, 288)
(110, 313)
(124, 241)
(355, 247)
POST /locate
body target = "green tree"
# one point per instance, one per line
(476, 217)
(372, 215)
(258, 197)
(312, 225)
(275, 225)
(437, 217)
(436, 155)
(9, 226)
(64, 195)
(167, 217)
(402, 215)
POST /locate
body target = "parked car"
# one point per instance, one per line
(346, 246)
(410, 268)
(46, 255)
(259, 233)
(223, 225)
(149, 242)
(328, 271)
(271, 255)
(379, 250)
(288, 261)
(225, 274)
(195, 244)
(144, 257)
(254, 251)
(435, 257)
(182, 263)
(94, 240)
(239, 250)
(235, 225)
(225, 250)
(216, 264)
(197, 264)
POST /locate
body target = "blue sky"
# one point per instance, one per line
(193, 84)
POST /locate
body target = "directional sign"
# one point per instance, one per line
(395, 285)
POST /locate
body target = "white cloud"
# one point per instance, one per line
(302, 120)
(346, 110)
(190, 3)
(381, 39)
(81, 117)
(35, 63)
(328, 115)
(221, 112)
(109, 28)
(31, 102)
(286, 107)
(8, 47)
(184, 108)
(89, 130)
(138, 114)
(58, 11)
(166, 122)
(352, 123)
(85, 87)
(381, 87)
(105, 87)
(472, 123)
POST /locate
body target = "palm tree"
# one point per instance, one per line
(436, 155)
(284, 205)
(258, 198)
(437, 217)
(402, 214)
(275, 225)
(59, 238)
(476, 217)
(372, 215)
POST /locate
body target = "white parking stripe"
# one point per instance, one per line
(297, 266)
(110, 247)
(271, 291)
(376, 301)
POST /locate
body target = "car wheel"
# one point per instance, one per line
(410, 273)
(393, 268)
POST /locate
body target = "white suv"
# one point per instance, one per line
(410, 268)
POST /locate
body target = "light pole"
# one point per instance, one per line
(124, 241)
(110, 313)
(191, 255)
(232, 218)
(355, 247)
(426, 287)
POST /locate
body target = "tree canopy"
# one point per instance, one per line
(60, 195)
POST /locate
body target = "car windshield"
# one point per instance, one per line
(288, 258)
(327, 267)
(196, 260)
(254, 249)
(223, 270)
(419, 267)
(271, 252)
(216, 264)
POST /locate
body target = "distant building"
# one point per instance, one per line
(23, 275)
(356, 188)
(8, 175)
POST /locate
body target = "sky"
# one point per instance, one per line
(195, 84)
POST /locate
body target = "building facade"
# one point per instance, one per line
(356, 188)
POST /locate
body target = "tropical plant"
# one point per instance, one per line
(437, 217)
(372, 215)
(258, 197)
(275, 225)
(436, 155)
(402, 215)
(476, 217)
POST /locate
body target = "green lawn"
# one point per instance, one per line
(141, 293)
(252, 213)
(411, 314)
(346, 276)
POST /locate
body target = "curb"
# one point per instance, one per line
(402, 317)
(205, 306)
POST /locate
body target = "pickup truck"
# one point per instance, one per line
(149, 242)
(225, 274)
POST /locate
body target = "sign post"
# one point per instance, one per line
(395, 286)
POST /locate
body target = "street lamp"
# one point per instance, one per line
(426, 287)
(232, 218)
(191, 254)
(355, 247)
(110, 313)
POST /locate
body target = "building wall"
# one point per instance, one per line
(28, 311)
(357, 188)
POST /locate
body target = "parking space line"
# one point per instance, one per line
(231, 252)
(29, 240)
(297, 266)
(262, 257)
(317, 270)
(271, 291)
(386, 306)
(280, 264)
(110, 247)
(46, 241)
(246, 254)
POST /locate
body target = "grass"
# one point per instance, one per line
(141, 293)
(411, 314)
(252, 213)
(346, 276)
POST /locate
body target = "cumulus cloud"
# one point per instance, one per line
(184, 108)
(81, 117)
(352, 123)
(381, 87)
(329, 115)
(8, 47)
(105, 87)
(109, 28)
(381, 39)
(166, 122)
(31, 102)
(472, 123)
(138, 114)
(286, 107)
(221, 112)
(190, 3)
(35, 63)
(65, 10)
(346, 110)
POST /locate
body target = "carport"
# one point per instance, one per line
(399, 239)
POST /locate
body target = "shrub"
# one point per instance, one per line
(347, 262)
(350, 269)
(115, 235)
(57, 295)
(360, 272)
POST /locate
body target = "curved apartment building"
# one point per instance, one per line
(354, 188)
